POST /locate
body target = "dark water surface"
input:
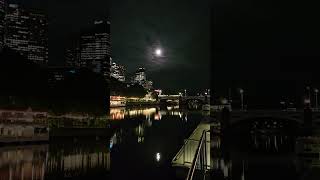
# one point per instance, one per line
(143, 141)
(141, 145)
(265, 149)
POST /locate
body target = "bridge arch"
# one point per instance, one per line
(194, 103)
(266, 118)
(266, 124)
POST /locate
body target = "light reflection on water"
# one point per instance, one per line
(148, 138)
(23, 162)
(266, 155)
(145, 138)
(155, 113)
(41, 161)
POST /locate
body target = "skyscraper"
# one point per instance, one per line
(95, 48)
(38, 38)
(2, 14)
(140, 76)
(26, 33)
(17, 30)
(118, 72)
(72, 57)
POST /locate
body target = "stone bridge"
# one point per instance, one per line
(296, 116)
(198, 99)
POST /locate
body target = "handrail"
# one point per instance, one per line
(179, 154)
(183, 147)
(197, 155)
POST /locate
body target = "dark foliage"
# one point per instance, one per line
(25, 84)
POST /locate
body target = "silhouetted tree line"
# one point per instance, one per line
(25, 84)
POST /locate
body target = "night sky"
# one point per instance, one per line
(67, 19)
(180, 28)
(270, 48)
(266, 47)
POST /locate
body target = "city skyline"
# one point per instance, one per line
(159, 89)
(247, 54)
(65, 27)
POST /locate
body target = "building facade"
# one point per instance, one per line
(17, 30)
(38, 38)
(2, 15)
(140, 76)
(147, 85)
(27, 33)
(118, 72)
(95, 49)
(72, 57)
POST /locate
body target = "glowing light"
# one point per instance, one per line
(307, 101)
(111, 144)
(224, 101)
(158, 52)
(117, 113)
(158, 157)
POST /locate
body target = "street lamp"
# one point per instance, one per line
(316, 97)
(241, 93)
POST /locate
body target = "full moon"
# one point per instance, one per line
(158, 52)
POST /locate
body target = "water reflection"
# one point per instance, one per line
(77, 160)
(158, 157)
(145, 138)
(265, 154)
(23, 162)
(154, 113)
(52, 161)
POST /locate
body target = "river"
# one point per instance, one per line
(141, 143)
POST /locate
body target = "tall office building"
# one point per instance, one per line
(17, 30)
(140, 76)
(2, 14)
(27, 33)
(95, 48)
(118, 72)
(72, 57)
(38, 38)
